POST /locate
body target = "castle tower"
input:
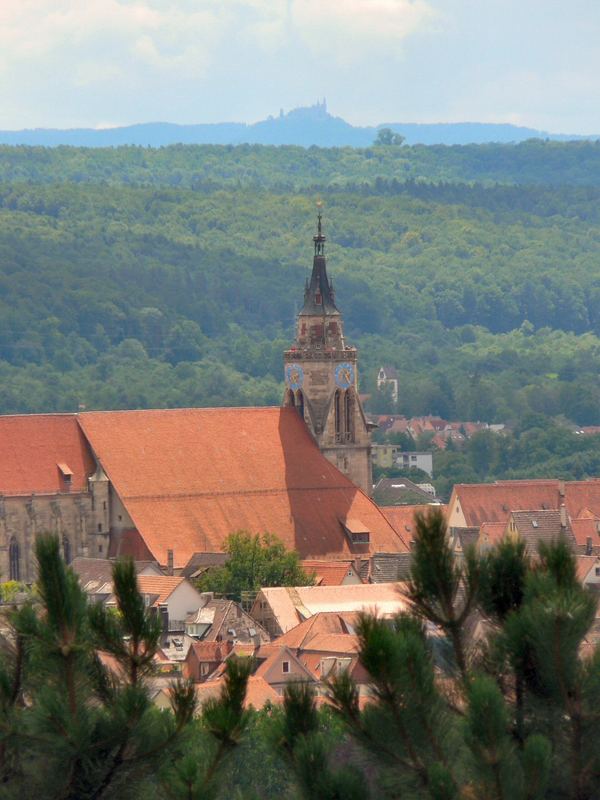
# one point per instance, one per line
(321, 377)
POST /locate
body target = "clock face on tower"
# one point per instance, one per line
(294, 376)
(344, 375)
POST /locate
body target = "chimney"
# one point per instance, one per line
(561, 489)
(169, 562)
(563, 515)
(588, 546)
(206, 597)
(163, 612)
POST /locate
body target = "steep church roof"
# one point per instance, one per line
(190, 477)
(43, 454)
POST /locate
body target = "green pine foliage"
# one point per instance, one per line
(512, 716)
(73, 728)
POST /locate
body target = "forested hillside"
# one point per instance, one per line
(135, 278)
(536, 161)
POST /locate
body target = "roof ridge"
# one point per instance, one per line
(202, 409)
(283, 490)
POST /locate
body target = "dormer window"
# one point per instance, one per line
(66, 474)
(356, 531)
(318, 299)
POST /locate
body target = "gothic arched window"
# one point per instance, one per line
(66, 550)
(337, 411)
(299, 402)
(14, 560)
(348, 427)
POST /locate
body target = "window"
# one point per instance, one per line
(204, 669)
(598, 572)
(347, 415)
(285, 666)
(14, 560)
(99, 548)
(99, 527)
(104, 505)
(413, 458)
(318, 299)
(337, 413)
(66, 550)
(299, 402)
(120, 518)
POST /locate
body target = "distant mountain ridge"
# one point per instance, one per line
(304, 127)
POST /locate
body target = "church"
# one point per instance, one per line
(171, 485)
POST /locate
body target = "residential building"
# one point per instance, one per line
(387, 456)
(221, 620)
(282, 608)
(388, 377)
(95, 575)
(534, 509)
(399, 492)
(174, 598)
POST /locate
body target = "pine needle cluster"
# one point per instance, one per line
(489, 688)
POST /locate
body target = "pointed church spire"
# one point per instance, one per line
(318, 299)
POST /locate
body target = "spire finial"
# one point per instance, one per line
(319, 239)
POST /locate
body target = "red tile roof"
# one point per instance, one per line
(402, 518)
(585, 564)
(493, 502)
(338, 643)
(37, 450)
(329, 573)
(584, 529)
(209, 651)
(257, 695)
(323, 623)
(161, 585)
(190, 477)
(493, 532)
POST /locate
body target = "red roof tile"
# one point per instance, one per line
(161, 585)
(338, 643)
(493, 502)
(257, 695)
(324, 622)
(402, 518)
(584, 529)
(493, 532)
(190, 477)
(329, 573)
(37, 451)
(585, 564)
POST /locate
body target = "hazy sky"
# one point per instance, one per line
(66, 63)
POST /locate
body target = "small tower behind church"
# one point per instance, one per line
(321, 377)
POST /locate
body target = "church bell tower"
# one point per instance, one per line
(321, 377)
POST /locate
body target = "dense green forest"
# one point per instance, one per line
(133, 277)
(536, 161)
